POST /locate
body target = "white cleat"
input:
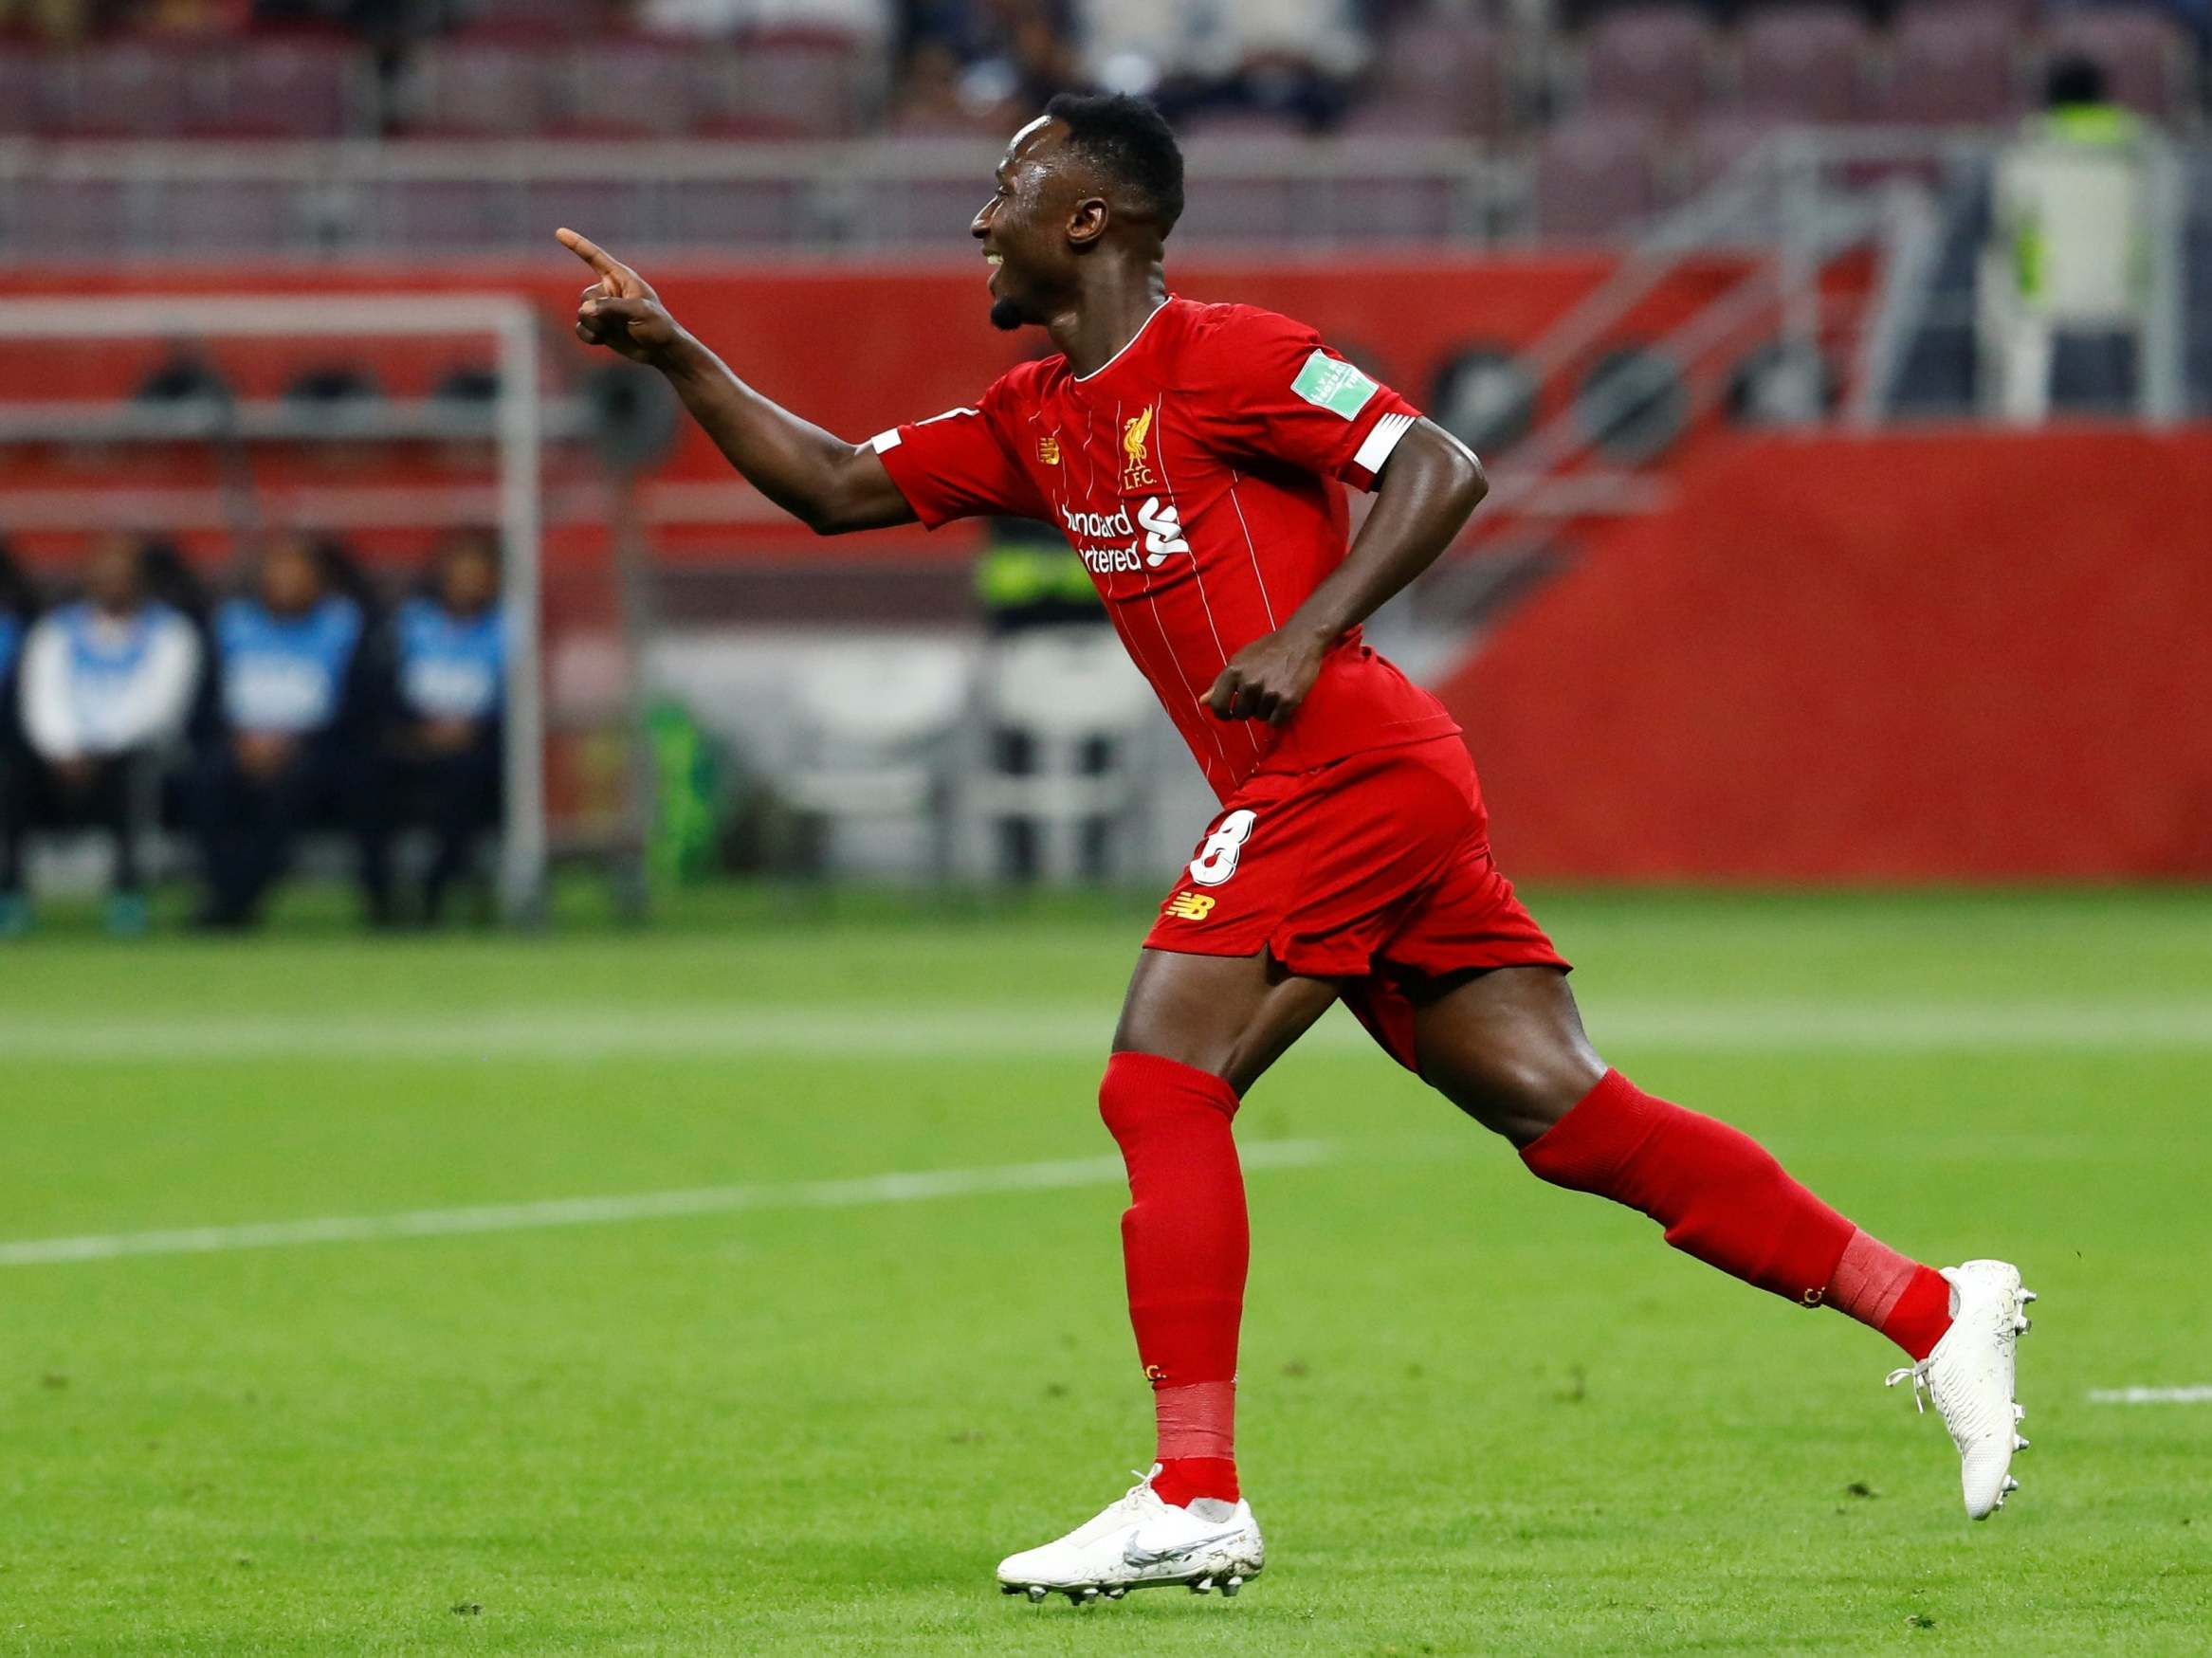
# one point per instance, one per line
(1141, 1542)
(1969, 1375)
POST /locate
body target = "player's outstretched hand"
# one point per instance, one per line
(620, 310)
(1266, 679)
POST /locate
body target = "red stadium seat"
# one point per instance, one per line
(1436, 76)
(1594, 176)
(35, 92)
(637, 87)
(1804, 62)
(1649, 60)
(480, 88)
(302, 88)
(128, 89)
(798, 84)
(1953, 68)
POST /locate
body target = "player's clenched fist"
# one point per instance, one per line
(1266, 679)
(620, 311)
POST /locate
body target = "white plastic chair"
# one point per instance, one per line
(1073, 698)
(873, 745)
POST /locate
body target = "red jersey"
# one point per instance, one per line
(1197, 474)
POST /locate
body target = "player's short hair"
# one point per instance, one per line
(1131, 141)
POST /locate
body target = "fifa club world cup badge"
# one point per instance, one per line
(1134, 473)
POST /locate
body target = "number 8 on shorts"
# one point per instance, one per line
(1216, 859)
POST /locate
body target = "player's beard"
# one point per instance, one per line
(1006, 316)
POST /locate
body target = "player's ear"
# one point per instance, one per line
(1088, 222)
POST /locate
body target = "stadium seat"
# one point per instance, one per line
(723, 212)
(637, 88)
(280, 89)
(1439, 76)
(795, 84)
(127, 89)
(480, 88)
(1953, 68)
(1806, 62)
(1649, 60)
(536, 20)
(34, 94)
(1243, 126)
(1257, 210)
(2143, 51)
(1594, 176)
(217, 216)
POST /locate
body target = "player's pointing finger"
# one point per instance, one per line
(588, 251)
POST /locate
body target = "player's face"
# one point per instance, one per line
(112, 581)
(469, 580)
(290, 583)
(1023, 228)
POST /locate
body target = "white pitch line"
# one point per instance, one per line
(2197, 1395)
(914, 1186)
(965, 1030)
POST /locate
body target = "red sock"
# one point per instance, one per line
(1718, 1193)
(1893, 1293)
(1184, 1247)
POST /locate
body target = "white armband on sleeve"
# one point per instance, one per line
(1380, 440)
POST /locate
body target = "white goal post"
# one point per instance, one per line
(517, 430)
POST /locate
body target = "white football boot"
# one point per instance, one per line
(1141, 1543)
(1969, 1375)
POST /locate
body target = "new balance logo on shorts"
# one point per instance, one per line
(1191, 907)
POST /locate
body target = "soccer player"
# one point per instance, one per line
(1192, 454)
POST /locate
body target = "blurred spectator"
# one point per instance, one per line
(59, 22)
(449, 656)
(985, 63)
(2068, 247)
(1285, 58)
(18, 606)
(294, 698)
(191, 17)
(105, 685)
(867, 20)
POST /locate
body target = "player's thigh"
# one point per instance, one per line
(1233, 1015)
(1505, 1045)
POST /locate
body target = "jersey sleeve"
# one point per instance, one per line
(1278, 391)
(962, 463)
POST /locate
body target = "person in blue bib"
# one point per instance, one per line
(18, 607)
(448, 655)
(289, 744)
(105, 685)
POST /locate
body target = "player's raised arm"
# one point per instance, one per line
(1423, 496)
(828, 484)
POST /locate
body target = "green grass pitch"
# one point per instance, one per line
(1479, 1415)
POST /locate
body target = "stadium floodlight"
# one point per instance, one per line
(517, 432)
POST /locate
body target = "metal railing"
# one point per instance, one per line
(278, 200)
(1788, 208)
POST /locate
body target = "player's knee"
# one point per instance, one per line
(1519, 1095)
(1142, 1091)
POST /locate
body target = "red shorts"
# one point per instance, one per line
(1370, 870)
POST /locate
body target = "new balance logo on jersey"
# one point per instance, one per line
(1163, 531)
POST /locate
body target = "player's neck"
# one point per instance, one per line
(1106, 315)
